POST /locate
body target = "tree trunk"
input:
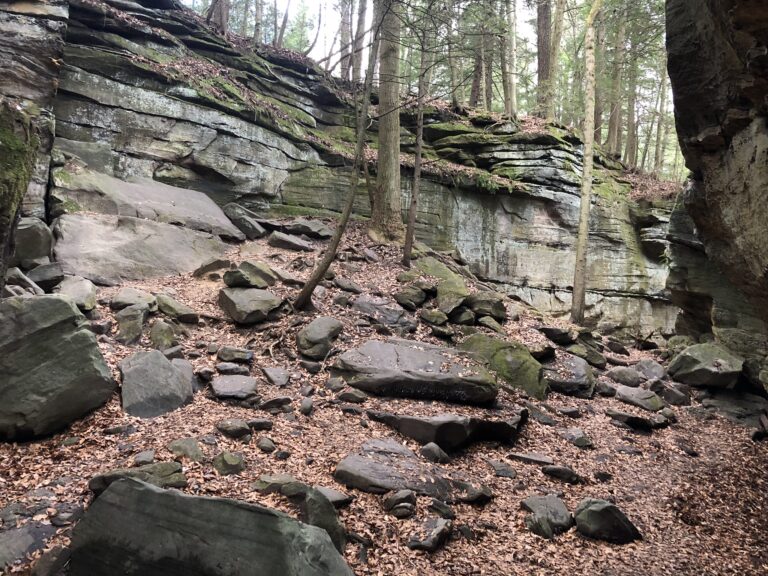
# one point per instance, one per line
(317, 30)
(658, 163)
(557, 34)
(258, 31)
(488, 70)
(304, 299)
(614, 105)
(630, 151)
(386, 216)
(283, 26)
(543, 49)
(452, 64)
(582, 240)
(345, 6)
(18, 151)
(600, 59)
(509, 60)
(476, 93)
(357, 56)
(218, 15)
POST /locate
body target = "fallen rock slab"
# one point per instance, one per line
(415, 370)
(152, 385)
(249, 305)
(640, 397)
(706, 365)
(288, 242)
(601, 520)
(160, 532)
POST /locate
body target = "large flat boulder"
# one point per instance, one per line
(451, 431)
(707, 365)
(249, 305)
(110, 249)
(92, 191)
(152, 385)
(52, 369)
(137, 529)
(415, 370)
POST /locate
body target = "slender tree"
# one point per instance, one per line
(582, 240)
(543, 53)
(557, 33)
(218, 15)
(509, 60)
(258, 26)
(614, 102)
(357, 55)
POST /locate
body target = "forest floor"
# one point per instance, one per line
(703, 514)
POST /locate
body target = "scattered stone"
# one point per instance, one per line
(352, 395)
(232, 354)
(47, 354)
(227, 463)
(260, 424)
(80, 290)
(211, 265)
(306, 406)
(152, 385)
(310, 228)
(176, 310)
(563, 473)
(317, 510)
(277, 376)
(487, 303)
(410, 297)
(234, 428)
(532, 458)
(641, 423)
(672, 393)
(605, 389)
(434, 453)
(549, 516)
(491, 324)
(462, 316)
(570, 411)
(337, 498)
(47, 276)
(161, 474)
(249, 305)
(379, 311)
(640, 397)
(399, 497)
(234, 387)
(402, 511)
(278, 402)
(144, 458)
(602, 520)
(562, 336)
(588, 353)
(442, 509)
(651, 369)
(130, 322)
(347, 285)
(186, 448)
(433, 316)
(571, 376)
(626, 376)
(706, 365)
(577, 437)
(286, 242)
(416, 370)
(451, 294)
(128, 296)
(451, 432)
(431, 536)
(510, 360)
(162, 335)
(230, 368)
(502, 469)
(244, 220)
(197, 535)
(616, 347)
(316, 339)
(250, 275)
(443, 332)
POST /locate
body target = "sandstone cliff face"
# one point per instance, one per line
(718, 65)
(148, 94)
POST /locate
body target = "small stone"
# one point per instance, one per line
(282, 455)
(402, 511)
(306, 406)
(277, 376)
(128, 296)
(577, 437)
(175, 353)
(602, 520)
(227, 463)
(492, 324)
(337, 498)
(352, 395)
(562, 336)
(432, 535)
(626, 376)
(347, 285)
(232, 354)
(143, 458)
(400, 497)
(532, 458)
(307, 390)
(266, 445)
(462, 316)
(276, 402)
(230, 368)
(233, 427)
(162, 335)
(186, 448)
(502, 469)
(287, 242)
(335, 384)
(563, 473)
(434, 453)
(433, 316)
(260, 424)
(176, 310)
(442, 509)
(311, 366)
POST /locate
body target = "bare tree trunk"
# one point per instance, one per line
(357, 56)
(557, 33)
(274, 22)
(317, 30)
(283, 26)
(386, 216)
(476, 95)
(630, 151)
(600, 59)
(18, 150)
(258, 30)
(345, 7)
(304, 299)
(649, 131)
(488, 70)
(614, 105)
(582, 240)
(658, 163)
(508, 60)
(218, 15)
(452, 64)
(543, 50)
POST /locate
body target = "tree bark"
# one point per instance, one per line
(345, 7)
(386, 216)
(218, 15)
(357, 56)
(582, 240)
(658, 163)
(509, 60)
(557, 33)
(600, 60)
(258, 30)
(304, 299)
(614, 105)
(283, 26)
(543, 49)
(18, 151)
(452, 64)
(630, 151)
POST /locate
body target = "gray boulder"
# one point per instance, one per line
(309, 228)
(415, 370)
(316, 339)
(626, 376)
(128, 296)
(176, 310)
(152, 385)
(245, 220)
(33, 241)
(650, 369)
(52, 369)
(381, 312)
(549, 516)
(82, 291)
(487, 303)
(135, 529)
(601, 520)
(248, 305)
(130, 322)
(124, 248)
(288, 242)
(47, 276)
(234, 387)
(450, 431)
(571, 375)
(250, 275)
(160, 474)
(642, 423)
(706, 365)
(640, 397)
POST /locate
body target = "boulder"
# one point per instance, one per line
(160, 474)
(130, 322)
(188, 448)
(18, 284)
(410, 297)
(549, 516)
(639, 397)
(641, 423)
(433, 316)
(452, 432)
(706, 365)
(123, 248)
(33, 242)
(601, 520)
(176, 310)
(562, 473)
(47, 276)
(451, 294)
(128, 296)
(562, 336)
(487, 304)
(234, 354)
(158, 532)
(309, 228)
(651, 369)
(162, 335)
(510, 360)
(415, 370)
(381, 312)
(347, 285)
(626, 376)
(152, 385)
(570, 375)
(227, 463)
(233, 427)
(316, 339)
(250, 275)
(234, 387)
(249, 305)
(588, 353)
(288, 242)
(80, 290)
(316, 509)
(432, 535)
(52, 369)
(244, 220)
